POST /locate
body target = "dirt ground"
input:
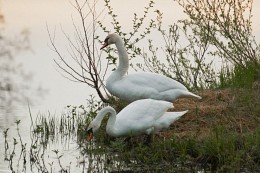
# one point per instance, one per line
(237, 110)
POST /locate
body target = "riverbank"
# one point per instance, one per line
(219, 133)
(237, 110)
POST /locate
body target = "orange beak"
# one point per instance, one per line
(90, 135)
(104, 45)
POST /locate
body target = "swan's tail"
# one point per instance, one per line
(173, 116)
(190, 94)
(194, 95)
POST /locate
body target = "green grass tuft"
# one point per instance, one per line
(239, 76)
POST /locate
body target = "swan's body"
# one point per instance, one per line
(139, 117)
(140, 85)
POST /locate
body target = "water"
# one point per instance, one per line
(44, 90)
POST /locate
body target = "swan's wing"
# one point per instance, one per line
(167, 119)
(157, 81)
(147, 85)
(140, 115)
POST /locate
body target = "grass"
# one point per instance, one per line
(239, 76)
(222, 151)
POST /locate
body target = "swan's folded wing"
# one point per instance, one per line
(141, 115)
(167, 119)
(157, 81)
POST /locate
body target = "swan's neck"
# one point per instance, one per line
(111, 121)
(123, 62)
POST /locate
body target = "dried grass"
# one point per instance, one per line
(225, 108)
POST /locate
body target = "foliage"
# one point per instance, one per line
(229, 26)
(185, 63)
(239, 77)
(229, 31)
(142, 26)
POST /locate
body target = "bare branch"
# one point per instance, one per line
(84, 61)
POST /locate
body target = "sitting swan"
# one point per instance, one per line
(140, 85)
(140, 117)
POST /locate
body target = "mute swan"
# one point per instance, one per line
(139, 117)
(140, 85)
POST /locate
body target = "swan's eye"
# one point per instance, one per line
(106, 40)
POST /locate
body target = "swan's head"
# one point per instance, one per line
(95, 124)
(110, 39)
(92, 128)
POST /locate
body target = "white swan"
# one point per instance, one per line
(139, 117)
(140, 85)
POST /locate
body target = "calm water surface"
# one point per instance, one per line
(46, 90)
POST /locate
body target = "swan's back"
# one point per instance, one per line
(143, 80)
(157, 81)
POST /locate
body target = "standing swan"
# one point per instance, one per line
(140, 85)
(142, 116)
